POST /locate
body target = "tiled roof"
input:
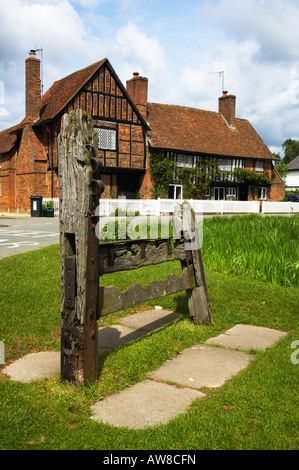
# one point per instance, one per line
(62, 91)
(200, 131)
(294, 164)
(8, 137)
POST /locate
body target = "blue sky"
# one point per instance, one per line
(176, 44)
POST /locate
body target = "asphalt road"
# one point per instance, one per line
(20, 234)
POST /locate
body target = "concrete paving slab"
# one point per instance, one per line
(247, 337)
(150, 320)
(112, 337)
(145, 404)
(35, 366)
(203, 366)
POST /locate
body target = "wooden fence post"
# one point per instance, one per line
(198, 297)
(79, 192)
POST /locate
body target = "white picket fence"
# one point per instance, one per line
(280, 207)
(157, 207)
(166, 206)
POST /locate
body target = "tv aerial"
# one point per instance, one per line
(221, 75)
(42, 67)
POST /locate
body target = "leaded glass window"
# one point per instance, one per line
(259, 165)
(107, 138)
(229, 164)
(225, 164)
(185, 161)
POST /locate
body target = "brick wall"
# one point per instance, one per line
(107, 190)
(146, 186)
(277, 191)
(31, 169)
(7, 181)
(268, 169)
(137, 88)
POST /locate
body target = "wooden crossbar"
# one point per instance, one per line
(111, 300)
(133, 254)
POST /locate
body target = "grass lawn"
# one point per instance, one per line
(258, 409)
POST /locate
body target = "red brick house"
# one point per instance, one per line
(189, 134)
(28, 151)
(129, 129)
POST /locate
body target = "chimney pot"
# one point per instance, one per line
(225, 93)
(32, 53)
(136, 74)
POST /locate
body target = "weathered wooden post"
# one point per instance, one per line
(198, 296)
(80, 190)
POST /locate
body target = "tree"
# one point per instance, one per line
(162, 170)
(291, 150)
(282, 169)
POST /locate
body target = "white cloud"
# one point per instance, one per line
(139, 53)
(53, 26)
(69, 42)
(87, 4)
(255, 43)
(272, 24)
(267, 95)
(4, 113)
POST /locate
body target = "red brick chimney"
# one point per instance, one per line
(137, 88)
(33, 86)
(227, 107)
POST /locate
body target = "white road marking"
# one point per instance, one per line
(18, 244)
(27, 235)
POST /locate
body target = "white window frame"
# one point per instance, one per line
(262, 193)
(177, 187)
(230, 192)
(219, 189)
(238, 163)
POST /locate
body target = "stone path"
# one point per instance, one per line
(154, 401)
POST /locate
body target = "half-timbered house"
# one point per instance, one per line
(129, 129)
(29, 151)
